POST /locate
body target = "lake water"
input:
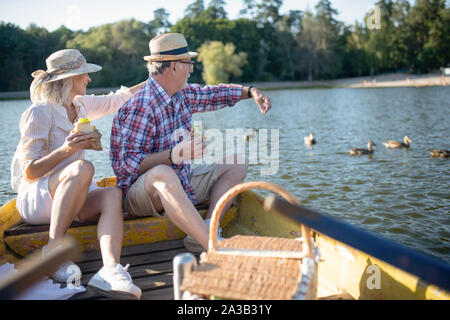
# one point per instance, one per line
(401, 195)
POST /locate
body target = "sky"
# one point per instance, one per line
(83, 14)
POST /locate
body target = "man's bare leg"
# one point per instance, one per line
(166, 192)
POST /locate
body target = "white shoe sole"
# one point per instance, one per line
(192, 246)
(120, 295)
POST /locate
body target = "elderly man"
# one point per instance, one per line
(151, 161)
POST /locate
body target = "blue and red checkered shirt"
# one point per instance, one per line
(146, 122)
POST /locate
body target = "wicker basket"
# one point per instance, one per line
(254, 267)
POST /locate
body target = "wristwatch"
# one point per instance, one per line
(170, 156)
(249, 91)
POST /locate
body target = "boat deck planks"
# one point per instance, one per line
(150, 268)
(339, 296)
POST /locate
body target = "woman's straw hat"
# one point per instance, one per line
(64, 64)
(169, 47)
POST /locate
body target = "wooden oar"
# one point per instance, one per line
(427, 268)
(35, 267)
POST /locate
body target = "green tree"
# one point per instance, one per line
(216, 9)
(401, 35)
(355, 60)
(381, 41)
(24, 51)
(429, 25)
(15, 57)
(243, 33)
(278, 49)
(220, 61)
(288, 28)
(195, 9)
(263, 11)
(291, 46)
(320, 43)
(61, 36)
(119, 48)
(309, 43)
(160, 24)
(328, 35)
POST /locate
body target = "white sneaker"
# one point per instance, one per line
(193, 246)
(67, 272)
(115, 281)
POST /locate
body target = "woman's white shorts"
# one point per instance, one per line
(35, 202)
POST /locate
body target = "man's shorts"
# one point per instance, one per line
(202, 178)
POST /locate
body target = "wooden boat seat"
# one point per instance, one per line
(23, 238)
(24, 228)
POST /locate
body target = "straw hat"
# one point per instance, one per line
(64, 64)
(169, 47)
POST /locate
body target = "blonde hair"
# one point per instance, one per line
(56, 92)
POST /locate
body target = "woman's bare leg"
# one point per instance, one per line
(105, 206)
(69, 189)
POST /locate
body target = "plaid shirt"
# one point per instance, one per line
(146, 123)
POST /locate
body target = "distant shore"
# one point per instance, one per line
(378, 81)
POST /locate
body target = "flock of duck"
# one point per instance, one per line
(392, 144)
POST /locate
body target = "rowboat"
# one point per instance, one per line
(150, 244)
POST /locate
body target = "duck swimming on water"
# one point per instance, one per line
(398, 144)
(358, 152)
(439, 153)
(309, 140)
(249, 133)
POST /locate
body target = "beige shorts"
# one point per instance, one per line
(202, 178)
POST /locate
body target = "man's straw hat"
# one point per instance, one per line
(64, 64)
(169, 47)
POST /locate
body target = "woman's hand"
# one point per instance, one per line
(76, 141)
(189, 149)
(73, 143)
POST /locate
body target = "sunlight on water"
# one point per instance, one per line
(399, 194)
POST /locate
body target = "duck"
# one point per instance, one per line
(309, 140)
(439, 153)
(398, 144)
(358, 152)
(249, 133)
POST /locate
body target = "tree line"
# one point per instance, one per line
(261, 45)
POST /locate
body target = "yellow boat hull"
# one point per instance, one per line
(343, 270)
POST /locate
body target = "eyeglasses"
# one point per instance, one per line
(187, 62)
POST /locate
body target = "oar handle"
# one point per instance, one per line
(234, 191)
(35, 267)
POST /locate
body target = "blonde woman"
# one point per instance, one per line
(52, 179)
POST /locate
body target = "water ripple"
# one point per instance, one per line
(398, 194)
